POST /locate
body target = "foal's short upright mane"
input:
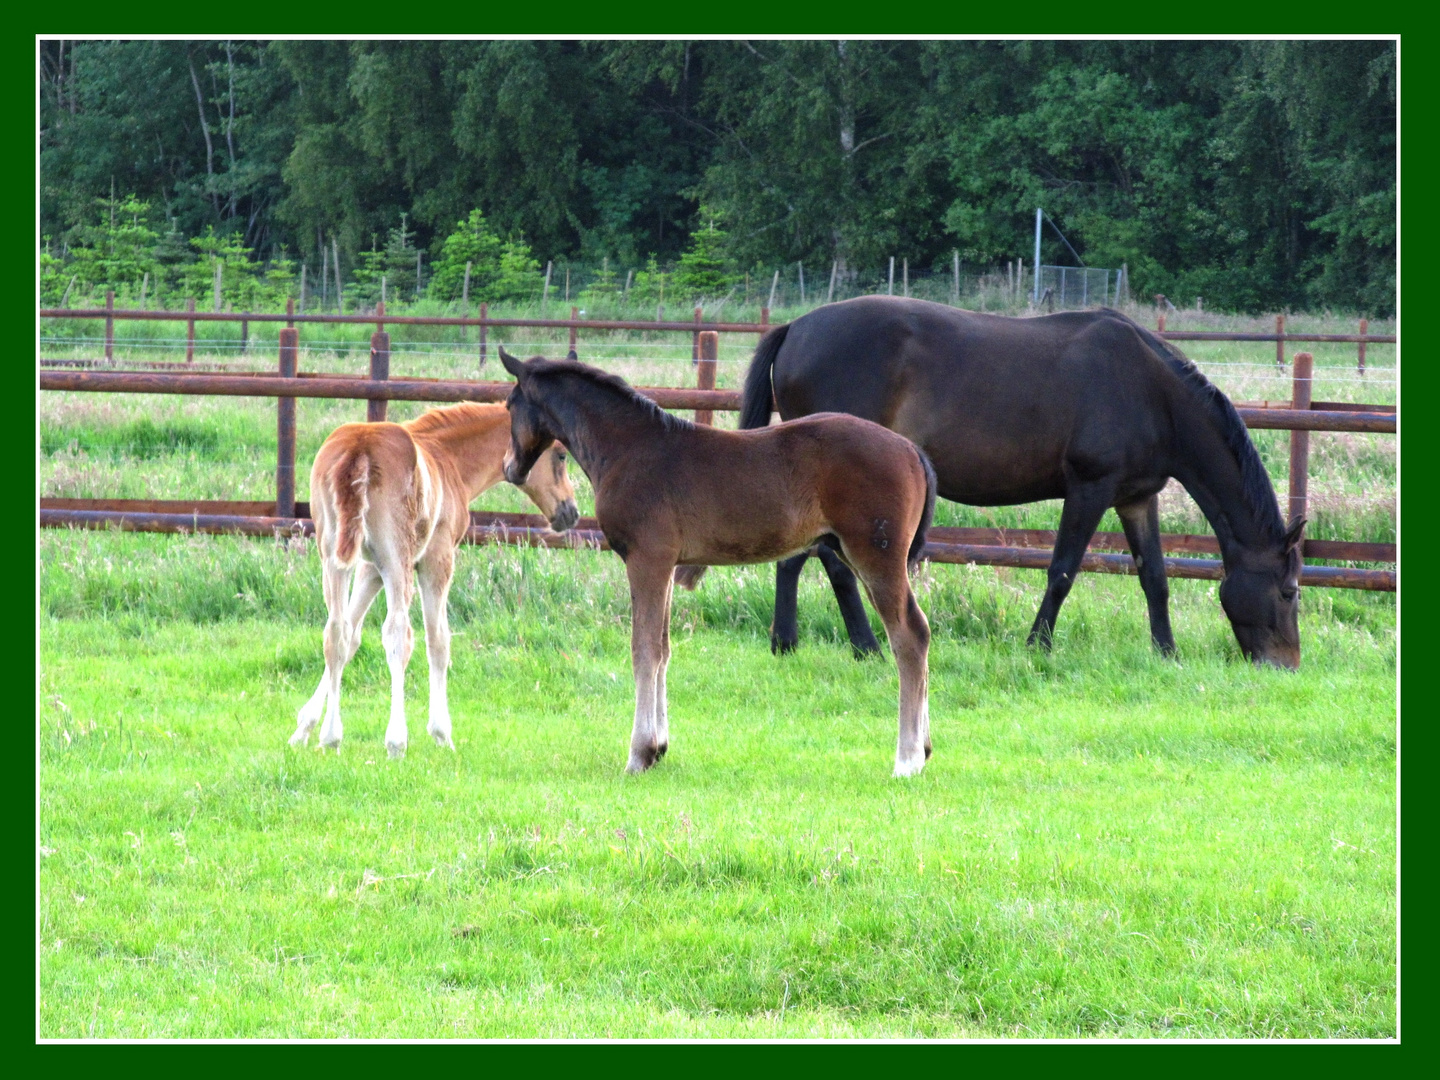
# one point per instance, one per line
(1258, 492)
(448, 416)
(612, 384)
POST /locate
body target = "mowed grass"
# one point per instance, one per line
(1105, 843)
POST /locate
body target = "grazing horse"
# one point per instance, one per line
(391, 501)
(669, 492)
(1087, 406)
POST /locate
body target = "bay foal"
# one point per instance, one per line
(390, 504)
(669, 492)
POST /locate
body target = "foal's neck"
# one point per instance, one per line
(597, 422)
(474, 441)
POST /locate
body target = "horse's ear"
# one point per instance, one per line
(512, 365)
(1294, 533)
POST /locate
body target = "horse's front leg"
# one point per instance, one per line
(649, 610)
(1141, 522)
(1084, 506)
(662, 705)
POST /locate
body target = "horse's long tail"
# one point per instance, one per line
(350, 488)
(756, 399)
(917, 543)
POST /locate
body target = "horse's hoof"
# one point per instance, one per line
(865, 650)
(442, 740)
(908, 766)
(300, 738)
(640, 760)
(780, 646)
(928, 751)
(395, 750)
(660, 753)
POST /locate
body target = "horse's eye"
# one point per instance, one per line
(560, 456)
(1289, 594)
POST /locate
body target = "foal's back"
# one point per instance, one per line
(734, 497)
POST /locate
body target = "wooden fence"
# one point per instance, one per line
(1026, 548)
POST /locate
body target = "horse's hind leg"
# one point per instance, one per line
(784, 631)
(1141, 521)
(1083, 509)
(399, 638)
(436, 572)
(909, 634)
(334, 580)
(852, 608)
(650, 581)
(366, 584)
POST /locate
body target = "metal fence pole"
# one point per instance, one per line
(1300, 397)
(285, 426)
(574, 315)
(695, 339)
(1364, 329)
(708, 348)
(110, 326)
(379, 370)
(1280, 342)
(484, 314)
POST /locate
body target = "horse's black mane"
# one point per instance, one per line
(1255, 483)
(612, 384)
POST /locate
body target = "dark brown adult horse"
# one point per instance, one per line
(1086, 406)
(669, 492)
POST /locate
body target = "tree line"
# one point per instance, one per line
(1259, 174)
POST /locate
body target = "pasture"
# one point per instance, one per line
(1105, 843)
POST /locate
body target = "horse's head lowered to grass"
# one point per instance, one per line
(1261, 597)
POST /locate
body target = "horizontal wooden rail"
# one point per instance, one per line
(399, 320)
(1189, 543)
(496, 528)
(212, 383)
(598, 324)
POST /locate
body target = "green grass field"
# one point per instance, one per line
(1106, 843)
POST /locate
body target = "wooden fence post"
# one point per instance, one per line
(764, 316)
(285, 423)
(290, 310)
(484, 314)
(244, 336)
(574, 314)
(465, 302)
(695, 338)
(190, 332)
(708, 349)
(379, 371)
(1300, 440)
(1364, 329)
(1280, 342)
(1160, 322)
(109, 326)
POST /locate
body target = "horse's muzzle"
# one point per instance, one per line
(565, 517)
(512, 471)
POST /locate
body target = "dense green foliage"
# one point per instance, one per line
(1259, 174)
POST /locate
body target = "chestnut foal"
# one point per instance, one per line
(391, 500)
(669, 492)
